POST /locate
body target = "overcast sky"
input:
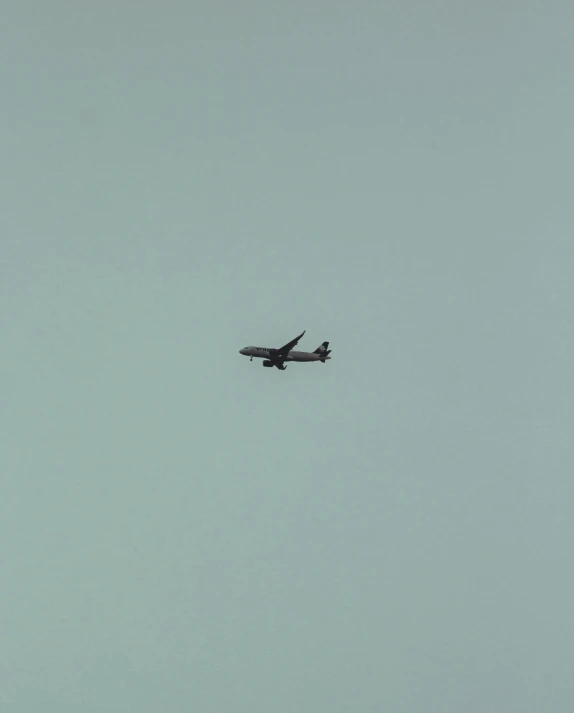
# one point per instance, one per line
(184, 531)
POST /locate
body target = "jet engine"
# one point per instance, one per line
(267, 363)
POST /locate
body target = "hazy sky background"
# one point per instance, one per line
(182, 530)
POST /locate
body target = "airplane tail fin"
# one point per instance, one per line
(323, 351)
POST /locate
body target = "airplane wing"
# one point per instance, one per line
(284, 351)
(278, 356)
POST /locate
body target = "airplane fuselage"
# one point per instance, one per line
(262, 353)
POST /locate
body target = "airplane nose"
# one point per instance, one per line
(242, 351)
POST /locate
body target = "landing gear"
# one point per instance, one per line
(268, 363)
(251, 359)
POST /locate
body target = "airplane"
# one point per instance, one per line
(278, 357)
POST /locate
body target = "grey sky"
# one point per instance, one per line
(182, 530)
